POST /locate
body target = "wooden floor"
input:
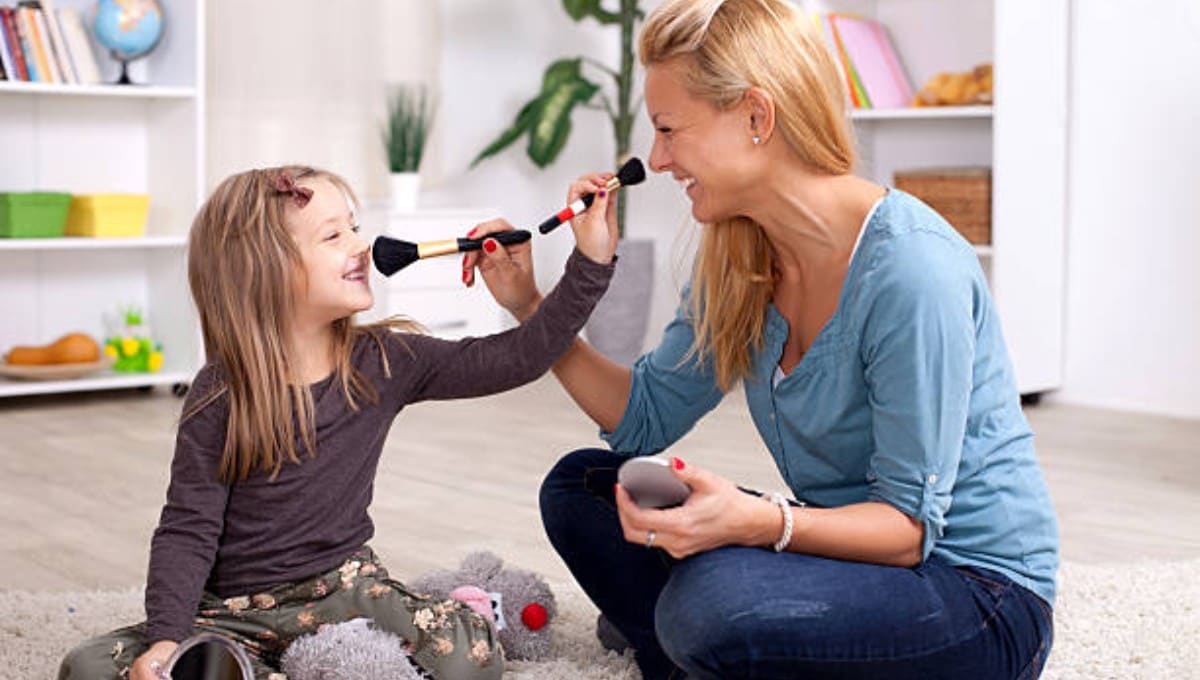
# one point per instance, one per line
(82, 478)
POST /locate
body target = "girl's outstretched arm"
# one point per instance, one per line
(425, 367)
(598, 385)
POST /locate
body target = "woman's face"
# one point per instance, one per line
(709, 151)
(334, 256)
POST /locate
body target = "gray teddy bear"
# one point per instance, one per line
(518, 602)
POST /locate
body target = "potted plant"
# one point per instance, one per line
(618, 326)
(409, 117)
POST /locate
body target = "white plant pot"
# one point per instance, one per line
(406, 187)
(617, 327)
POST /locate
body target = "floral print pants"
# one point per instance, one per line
(443, 637)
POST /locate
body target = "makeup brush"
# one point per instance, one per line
(631, 173)
(390, 255)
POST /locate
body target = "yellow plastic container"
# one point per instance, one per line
(108, 215)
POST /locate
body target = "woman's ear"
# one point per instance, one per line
(760, 106)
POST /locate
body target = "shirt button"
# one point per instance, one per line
(933, 479)
(772, 416)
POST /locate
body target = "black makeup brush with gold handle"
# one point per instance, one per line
(390, 255)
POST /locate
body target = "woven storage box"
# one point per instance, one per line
(961, 195)
(108, 215)
(33, 214)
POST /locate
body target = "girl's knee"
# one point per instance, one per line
(92, 660)
(460, 667)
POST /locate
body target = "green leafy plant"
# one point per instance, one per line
(546, 119)
(409, 118)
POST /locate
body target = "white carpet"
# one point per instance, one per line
(1119, 621)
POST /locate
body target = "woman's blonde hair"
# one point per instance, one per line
(244, 269)
(726, 47)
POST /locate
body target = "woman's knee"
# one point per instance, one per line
(695, 614)
(575, 475)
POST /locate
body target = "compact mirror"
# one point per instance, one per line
(209, 657)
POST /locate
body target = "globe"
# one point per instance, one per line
(129, 29)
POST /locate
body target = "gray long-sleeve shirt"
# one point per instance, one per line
(252, 535)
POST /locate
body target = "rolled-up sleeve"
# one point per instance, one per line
(918, 353)
(669, 393)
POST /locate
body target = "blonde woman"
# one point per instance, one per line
(921, 541)
(264, 534)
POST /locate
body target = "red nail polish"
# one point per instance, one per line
(464, 262)
(678, 463)
(603, 193)
(489, 245)
(466, 274)
(471, 234)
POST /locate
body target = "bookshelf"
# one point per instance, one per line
(106, 138)
(1022, 137)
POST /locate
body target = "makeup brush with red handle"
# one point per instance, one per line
(390, 255)
(631, 173)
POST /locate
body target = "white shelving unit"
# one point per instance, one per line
(1022, 137)
(98, 139)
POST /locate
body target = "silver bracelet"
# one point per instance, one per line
(786, 538)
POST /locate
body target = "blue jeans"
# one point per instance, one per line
(741, 612)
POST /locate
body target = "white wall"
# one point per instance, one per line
(290, 80)
(492, 60)
(310, 88)
(1133, 243)
(301, 81)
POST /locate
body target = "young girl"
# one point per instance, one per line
(263, 535)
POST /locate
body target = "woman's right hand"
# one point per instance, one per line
(150, 665)
(595, 230)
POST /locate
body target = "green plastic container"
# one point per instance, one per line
(33, 214)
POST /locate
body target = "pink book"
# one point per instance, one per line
(875, 61)
(893, 61)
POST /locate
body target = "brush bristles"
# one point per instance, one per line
(390, 255)
(632, 172)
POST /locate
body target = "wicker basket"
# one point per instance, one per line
(961, 195)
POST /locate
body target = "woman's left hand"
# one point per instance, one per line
(716, 514)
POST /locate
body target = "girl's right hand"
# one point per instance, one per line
(595, 230)
(150, 665)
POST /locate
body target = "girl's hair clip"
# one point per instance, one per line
(286, 184)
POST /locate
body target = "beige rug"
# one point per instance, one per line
(1122, 621)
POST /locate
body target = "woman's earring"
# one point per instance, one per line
(757, 140)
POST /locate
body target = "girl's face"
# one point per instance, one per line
(335, 257)
(708, 150)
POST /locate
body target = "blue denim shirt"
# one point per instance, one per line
(906, 396)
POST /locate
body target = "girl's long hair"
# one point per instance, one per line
(244, 268)
(727, 47)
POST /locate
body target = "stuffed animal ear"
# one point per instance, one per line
(437, 584)
(477, 599)
(482, 566)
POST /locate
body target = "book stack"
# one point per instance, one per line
(867, 61)
(42, 44)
